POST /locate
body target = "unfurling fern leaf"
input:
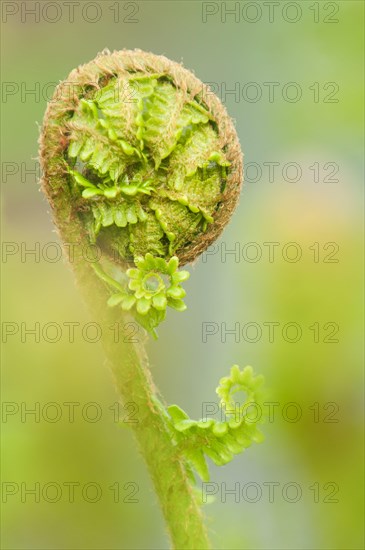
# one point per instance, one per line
(218, 440)
(149, 169)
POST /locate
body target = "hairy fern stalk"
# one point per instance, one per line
(141, 161)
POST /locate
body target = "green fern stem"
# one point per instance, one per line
(129, 364)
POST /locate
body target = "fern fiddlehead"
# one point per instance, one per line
(142, 161)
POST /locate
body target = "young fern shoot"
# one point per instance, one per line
(142, 163)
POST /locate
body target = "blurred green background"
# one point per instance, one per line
(318, 47)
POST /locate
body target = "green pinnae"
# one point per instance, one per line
(123, 156)
(221, 440)
(154, 284)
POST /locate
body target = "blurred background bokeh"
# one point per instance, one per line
(310, 116)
